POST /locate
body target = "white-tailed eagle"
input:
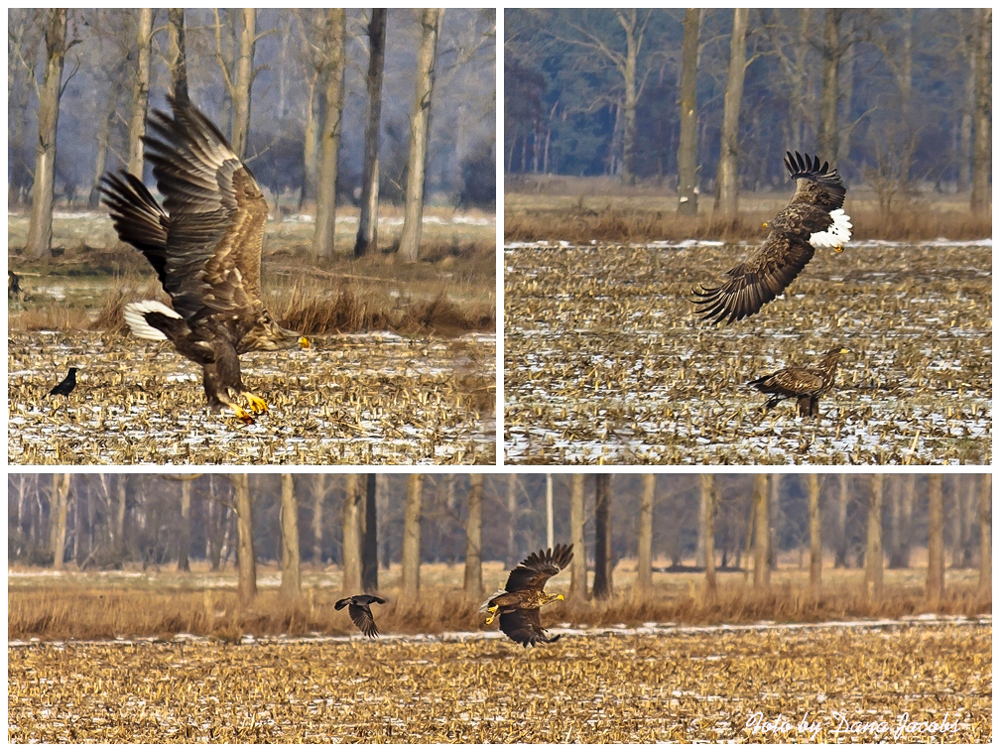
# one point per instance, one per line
(806, 385)
(813, 219)
(205, 244)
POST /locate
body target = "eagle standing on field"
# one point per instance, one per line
(813, 219)
(519, 602)
(806, 385)
(205, 245)
(360, 612)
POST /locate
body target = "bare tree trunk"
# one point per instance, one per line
(319, 496)
(935, 542)
(815, 537)
(420, 126)
(326, 188)
(60, 505)
(774, 520)
(512, 557)
(140, 91)
(907, 499)
(709, 503)
(828, 129)
(578, 567)
(873, 550)
(603, 561)
(184, 534)
(310, 147)
(367, 239)
(687, 149)
(103, 139)
(762, 528)
(985, 540)
(350, 518)
(291, 582)
(39, 243)
(411, 537)
(473, 583)
(634, 32)
(549, 522)
(727, 195)
(699, 546)
(982, 145)
(369, 551)
(243, 79)
(246, 587)
(840, 558)
(178, 55)
(122, 489)
(644, 565)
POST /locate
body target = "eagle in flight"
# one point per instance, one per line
(204, 244)
(814, 218)
(519, 602)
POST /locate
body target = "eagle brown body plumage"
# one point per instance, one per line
(813, 218)
(806, 385)
(205, 245)
(524, 594)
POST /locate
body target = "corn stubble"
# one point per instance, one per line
(355, 399)
(594, 688)
(605, 360)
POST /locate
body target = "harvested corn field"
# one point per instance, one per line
(351, 399)
(890, 681)
(607, 362)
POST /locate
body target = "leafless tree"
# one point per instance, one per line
(291, 584)
(578, 567)
(815, 537)
(985, 541)
(420, 123)
(873, 550)
(351, 520)
(60, 504)
(411, 536)
(935, 542)
(603, 556)
(982, 147)
(246, 587)
(644, 564)
(329, 142)
(762, 527)
(140, 89)
(178, 55)
(473, 582)
(367, 239)
(687, 149)
(709, 502)
(369, 549)
(727, 177)
(39, 241)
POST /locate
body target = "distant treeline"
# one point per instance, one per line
(892, 97)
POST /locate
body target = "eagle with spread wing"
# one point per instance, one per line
(360, 611)
(814, 218)
(205, 245)
(806, 385)
(519, 602)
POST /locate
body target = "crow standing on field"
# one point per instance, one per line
(360, 612)
(65, 386)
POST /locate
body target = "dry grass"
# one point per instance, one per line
(606, 361)
(585, 688)
(450, 291)
(582, 210)
(141, 604)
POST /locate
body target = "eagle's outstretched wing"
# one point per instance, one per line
(206, 245)
(524, 626)
(535, 571)
(813, 219)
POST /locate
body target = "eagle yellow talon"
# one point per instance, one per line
(257, 405)
(243, 415)
(839, 249)
(492, 611)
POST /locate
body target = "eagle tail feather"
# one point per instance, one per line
(135, 317)
(838, 233)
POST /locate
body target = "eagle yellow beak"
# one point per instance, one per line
(304, 343)
(764, 225)
(560, 597)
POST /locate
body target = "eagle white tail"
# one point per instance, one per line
(135, 317)
(838, 233)
(486, 604)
